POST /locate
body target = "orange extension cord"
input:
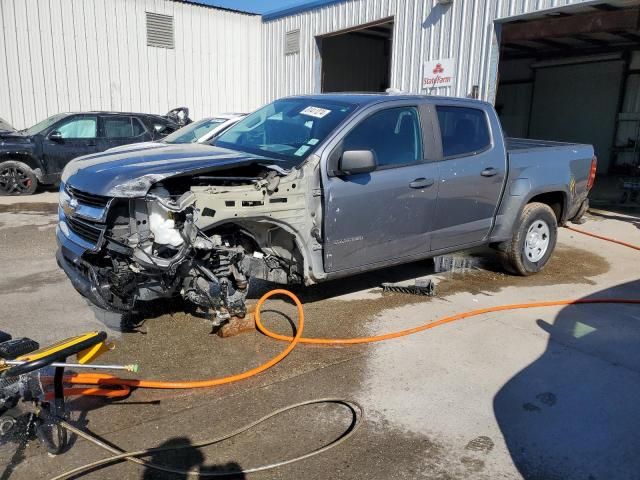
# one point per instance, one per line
(607, 239)
(113, 387)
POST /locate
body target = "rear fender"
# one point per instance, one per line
(515, 199)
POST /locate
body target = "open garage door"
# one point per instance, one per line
(357, 60)
(572, 74)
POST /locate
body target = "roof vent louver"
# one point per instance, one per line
(292, 42)
(159, 30)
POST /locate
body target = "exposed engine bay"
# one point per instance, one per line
(201, 237)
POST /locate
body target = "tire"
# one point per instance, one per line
(534, 239)
(17, 178)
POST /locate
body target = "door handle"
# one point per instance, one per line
(91, 143)
(422, 183)
(489, 172)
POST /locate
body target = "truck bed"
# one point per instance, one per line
(519, 145)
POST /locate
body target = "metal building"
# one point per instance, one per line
(465, 31)
(558, 69)
(125, 55)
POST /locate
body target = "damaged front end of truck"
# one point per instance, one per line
(200, 236)
(199, 221)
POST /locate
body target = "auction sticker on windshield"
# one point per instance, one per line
(316, 112)
(302, 150)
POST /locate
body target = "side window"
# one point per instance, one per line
(122, 127)
(79, 127)
(394, 135)
(138, 127)
(464, 131)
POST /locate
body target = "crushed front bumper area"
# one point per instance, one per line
(82, 276)
(80, 281)
(138, 250)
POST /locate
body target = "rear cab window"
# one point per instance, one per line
(464, 131)
(393, 134)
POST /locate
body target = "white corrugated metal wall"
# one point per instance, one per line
(78, 55)
(423, 30)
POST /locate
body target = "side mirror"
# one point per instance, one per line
(55, 136)
(358, 161)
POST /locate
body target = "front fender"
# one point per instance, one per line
(258, 228)
(21, 156)
(25, 157)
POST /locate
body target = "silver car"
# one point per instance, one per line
(201, 131)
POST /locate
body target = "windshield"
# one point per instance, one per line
(194, 131)
(43, 125)
(288, 129)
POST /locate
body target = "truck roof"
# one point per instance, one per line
(369, 98)
(106, 113)
(111, 113)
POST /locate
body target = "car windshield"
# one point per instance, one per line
(194, 131)
(43, 125)
(287, 129)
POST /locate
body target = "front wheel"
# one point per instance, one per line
(17, 178)
(533, 242)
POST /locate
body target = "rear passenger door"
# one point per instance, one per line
(122, 130)
(472, 172)
(374, 218)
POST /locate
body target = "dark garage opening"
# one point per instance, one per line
(358, 60)
(574, 75)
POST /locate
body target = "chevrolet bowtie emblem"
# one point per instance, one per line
(70, 207)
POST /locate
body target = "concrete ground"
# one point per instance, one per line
(545, 393)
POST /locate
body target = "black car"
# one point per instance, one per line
(39, 153)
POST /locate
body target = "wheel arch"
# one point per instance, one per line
(265, 233)
(32, 162)
(513, 205)
(556, 199)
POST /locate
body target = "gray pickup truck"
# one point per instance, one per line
(309, 189)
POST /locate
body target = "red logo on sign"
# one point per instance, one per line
(438, 69)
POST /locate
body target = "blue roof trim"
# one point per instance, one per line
(201, 3)
(285, 12)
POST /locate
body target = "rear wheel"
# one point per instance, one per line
(17, 178)
(533, 242)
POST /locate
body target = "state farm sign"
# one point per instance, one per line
(439, 73)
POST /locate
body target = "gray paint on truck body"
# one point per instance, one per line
(537, 167)
(346, 224)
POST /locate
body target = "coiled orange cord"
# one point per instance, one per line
(122, 385)
(119, 387)
(125, 384)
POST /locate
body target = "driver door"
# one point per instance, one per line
(374, 218)
(78, 136)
